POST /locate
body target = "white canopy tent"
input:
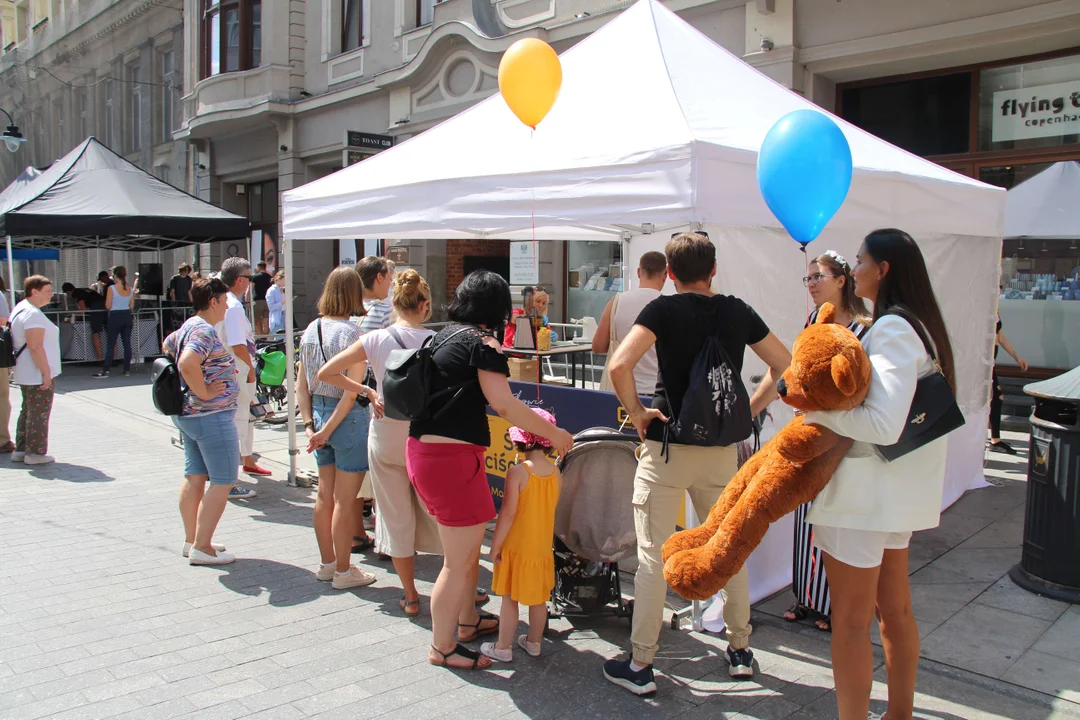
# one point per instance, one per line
(657, 129)
(1046, 206)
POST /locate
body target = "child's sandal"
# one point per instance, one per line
(462, 652)
(488, 649)
(532, 649)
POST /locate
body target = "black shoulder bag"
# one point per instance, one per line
(934, 412)
(8, 354)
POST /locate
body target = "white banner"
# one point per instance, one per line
(524, 263)
(347, 252)
(256, 247)
(1039, 111)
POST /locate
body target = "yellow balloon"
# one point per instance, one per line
(530, 76)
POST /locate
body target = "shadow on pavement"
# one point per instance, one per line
(287, 585)
(68, 473)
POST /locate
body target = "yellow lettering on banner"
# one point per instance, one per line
(500, 455)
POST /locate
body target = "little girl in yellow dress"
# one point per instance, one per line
(521, 548)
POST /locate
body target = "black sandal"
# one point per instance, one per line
(463, 652)
(798, 611)
(362, 545)
(406, 604)
(479, 632)
(481, 596)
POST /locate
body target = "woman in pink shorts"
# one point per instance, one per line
(445, 456)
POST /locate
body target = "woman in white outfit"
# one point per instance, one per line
(864, 517)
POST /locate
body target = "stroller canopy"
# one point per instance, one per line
(595, 516)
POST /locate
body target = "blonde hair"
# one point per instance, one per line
(343, 294)
(410, 291)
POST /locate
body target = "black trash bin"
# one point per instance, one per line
(1050, 563)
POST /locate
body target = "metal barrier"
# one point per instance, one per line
(149, 328)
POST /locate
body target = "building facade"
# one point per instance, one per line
(71, 69)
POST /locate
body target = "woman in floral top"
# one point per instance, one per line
(211, 446)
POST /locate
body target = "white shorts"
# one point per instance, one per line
(858, 548)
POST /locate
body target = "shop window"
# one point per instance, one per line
(1031, 105)
(1009, 176)
(927, 116)
(231, 36)
(263, 202)
(595, 275)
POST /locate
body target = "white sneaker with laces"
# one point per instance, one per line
(532, 648)
(18, 456)
(198, 557)
(187, 548)
(38, 459)
(495, 653)
(326, 572)
(354, 578)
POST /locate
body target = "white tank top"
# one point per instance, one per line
(120, 302)
(629, 306)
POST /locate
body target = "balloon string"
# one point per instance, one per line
(806, 256)
(536, 336)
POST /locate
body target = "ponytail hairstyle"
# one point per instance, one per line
(906, 285)
(409, 291)
(119, 274)
(852, 304)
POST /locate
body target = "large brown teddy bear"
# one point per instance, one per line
(829, 371)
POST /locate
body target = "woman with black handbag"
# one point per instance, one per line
(890, 483)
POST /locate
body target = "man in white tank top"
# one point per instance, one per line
(652, 272)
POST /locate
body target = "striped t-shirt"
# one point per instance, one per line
(378, 316)
(336, 336)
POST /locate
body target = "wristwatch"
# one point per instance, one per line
(309, 424)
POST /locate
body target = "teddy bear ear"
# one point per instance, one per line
(843, 375)
(826, 314)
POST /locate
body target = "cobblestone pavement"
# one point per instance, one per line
(100, 616)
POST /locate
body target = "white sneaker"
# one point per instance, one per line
(354, 578)
(198, 557)
(38, 459)
(187, 548)
(488, 649)
(326, 572)
(18, 456)
(532, 648)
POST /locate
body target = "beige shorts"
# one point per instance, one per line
(858, 548)
(404, 525)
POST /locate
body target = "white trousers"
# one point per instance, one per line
(245, 421)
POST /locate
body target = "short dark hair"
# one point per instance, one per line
(370, 268)
(203, 290)
(691, 257)
(482, 298)
(67, 287)
(653, 264)
(35, 283)
(104, 274)
(184, 267)
(261, 265)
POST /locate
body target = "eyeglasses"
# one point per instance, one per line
(815, 279)
(244, 277)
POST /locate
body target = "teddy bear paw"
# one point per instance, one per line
(690, 574)
(685, 540)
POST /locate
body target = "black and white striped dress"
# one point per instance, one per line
(809, 584)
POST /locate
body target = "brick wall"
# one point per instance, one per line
(458, 250)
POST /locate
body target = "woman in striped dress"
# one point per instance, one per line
(829, 281)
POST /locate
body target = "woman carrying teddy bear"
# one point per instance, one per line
(864, 517)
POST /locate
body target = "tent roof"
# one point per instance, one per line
(1046, 206)
(25, 177)
(92, 197)
(655, 123)
(1062, 387)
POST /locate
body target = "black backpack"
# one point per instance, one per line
(406, 391)
(8, 353)
(167, 385)
(715, 409)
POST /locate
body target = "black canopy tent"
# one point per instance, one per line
(94, 198)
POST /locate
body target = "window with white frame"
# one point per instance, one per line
(109, 112)
(58, 127)
(39, 12)
(352, 24)
(82, 107)
(134, 128)
(231, 37)
(425, 12)
(169, 92)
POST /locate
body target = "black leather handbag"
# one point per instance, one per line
(934, 412)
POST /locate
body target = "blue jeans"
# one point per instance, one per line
(347, 448)
(211, 446)
(119, 325)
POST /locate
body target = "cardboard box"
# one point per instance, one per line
(522, 370)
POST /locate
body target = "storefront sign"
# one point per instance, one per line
(398, 254)
(368, 141)
(574, 409)
(524, 263)
(1034, 112)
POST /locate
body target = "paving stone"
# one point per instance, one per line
(1007, 595)
(961, 641)
(1063, 637)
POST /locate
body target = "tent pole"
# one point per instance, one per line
(290, 357)
(11, 272)
(160, 304)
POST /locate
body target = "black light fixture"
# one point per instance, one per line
(11, 136)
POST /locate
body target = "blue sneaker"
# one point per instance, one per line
(620, 673)
(740, 663)
(241, 493)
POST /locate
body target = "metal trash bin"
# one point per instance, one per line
(1050, 562)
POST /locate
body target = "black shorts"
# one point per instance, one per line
(97, 321)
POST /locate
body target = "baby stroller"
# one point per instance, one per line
(594, 525)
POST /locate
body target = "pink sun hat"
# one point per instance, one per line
(527, 438)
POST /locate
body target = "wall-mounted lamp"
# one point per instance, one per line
(11, 136)
(766, 45)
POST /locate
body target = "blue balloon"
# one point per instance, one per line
(804, 172)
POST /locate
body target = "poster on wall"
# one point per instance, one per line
(347, 252)
(1036, 112)
(263, 248)
(524, 263)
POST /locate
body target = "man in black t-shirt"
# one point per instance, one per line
(180, 286)
(260, 283)
(93, 305)
(678, 325)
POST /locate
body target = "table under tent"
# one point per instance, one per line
(93, 198)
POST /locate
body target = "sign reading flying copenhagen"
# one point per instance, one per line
(1034, 112)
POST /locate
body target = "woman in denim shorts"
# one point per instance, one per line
(211, 447)
(336, 422)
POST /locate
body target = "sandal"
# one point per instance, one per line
(362, 545)
(478, 631)
(824, 624)
(482, 596)
(479, 662)
(406, 604)
(798, 612)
